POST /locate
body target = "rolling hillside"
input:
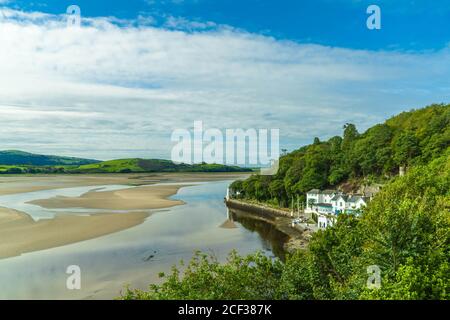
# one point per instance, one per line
(19, 162)
(15, 157)
(152, 165)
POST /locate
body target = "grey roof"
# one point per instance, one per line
(317, 191)
(336, 197)
(329, 191)
(356, 197)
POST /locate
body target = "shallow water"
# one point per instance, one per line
(134, 256)
(19, 201)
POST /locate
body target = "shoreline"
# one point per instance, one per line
(14, 184)
(280, 219)
(20, 234)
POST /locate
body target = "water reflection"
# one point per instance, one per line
(137, 255)
(271, 238)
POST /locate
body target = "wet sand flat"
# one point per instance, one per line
(13, 184)
(137, 198)
(20, 234)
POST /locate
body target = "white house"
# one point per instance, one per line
(357, 202)
(339, 203)
(328, 204)
(327, 195)
(312, 196)
(317, 200)
(325, 221)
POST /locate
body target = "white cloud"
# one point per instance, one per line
(114, 89)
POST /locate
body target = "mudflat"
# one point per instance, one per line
(12, 184)
(137, 198)
(19, 233)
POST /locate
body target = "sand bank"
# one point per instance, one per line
(12, 184)
(20, 234)
(137, 198)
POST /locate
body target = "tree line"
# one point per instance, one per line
(408, 139)
(404, 231)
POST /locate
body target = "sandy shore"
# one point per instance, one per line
(12, 184)
(20, 234)
(138, 198)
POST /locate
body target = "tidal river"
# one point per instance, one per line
(134, 256)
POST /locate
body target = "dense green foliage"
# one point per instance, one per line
(405, 231)
(410, 138)
(122, 166)
(153, 165)
(15, 157)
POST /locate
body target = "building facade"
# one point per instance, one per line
(328, 204)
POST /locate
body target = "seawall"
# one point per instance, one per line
(257, 208)
(281, 219)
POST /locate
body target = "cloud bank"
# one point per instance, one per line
(113, 89)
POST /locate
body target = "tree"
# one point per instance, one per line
(406, 147)
(277, 191)
(350, 135)
(254, 277)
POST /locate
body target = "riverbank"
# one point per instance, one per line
(135, 256)
(13, 184)
(298, 236)
(19, 233)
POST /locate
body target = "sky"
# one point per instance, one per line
(137, 70)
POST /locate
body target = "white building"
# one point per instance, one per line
(317, 200)
(327, 204)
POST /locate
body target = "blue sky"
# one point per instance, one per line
(406, 24)
(138, 70)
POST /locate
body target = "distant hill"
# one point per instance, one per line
(15, 157)
(17, 162)
(152, 165)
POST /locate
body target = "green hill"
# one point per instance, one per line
(15, 157)
(411, 138)
(17, 162)
(152, 165)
